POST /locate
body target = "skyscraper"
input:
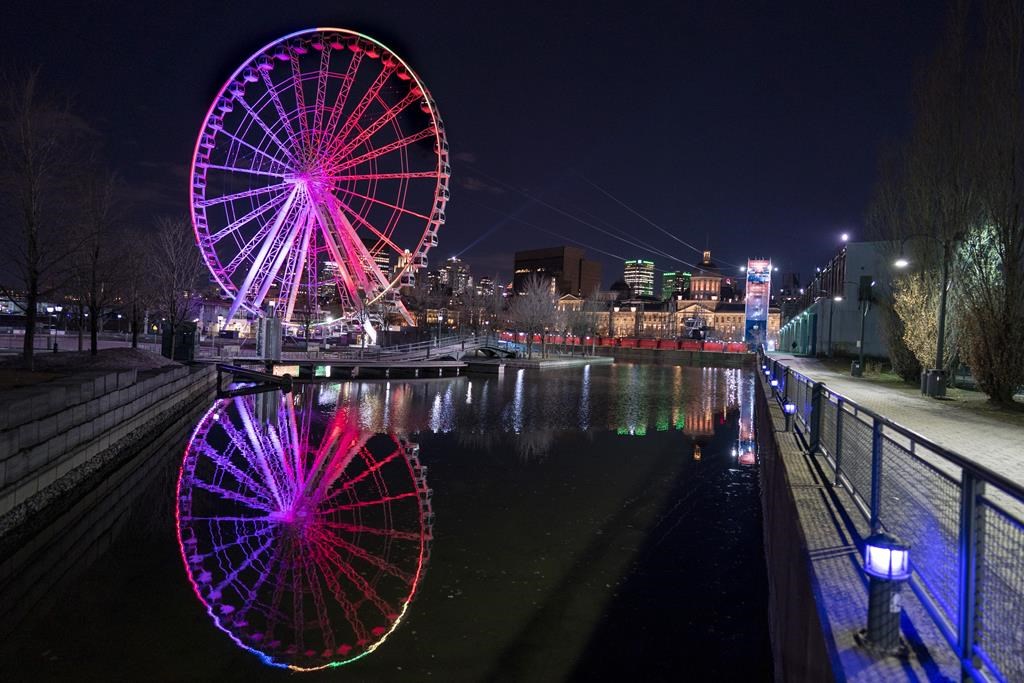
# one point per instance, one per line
(639, 275)
(573, 274)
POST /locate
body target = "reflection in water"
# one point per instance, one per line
(304, 535)
(691, 400)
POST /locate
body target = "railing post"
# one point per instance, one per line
(970, 535)
(839, 439)
(814, 428)
(785, 384)
(876, 474)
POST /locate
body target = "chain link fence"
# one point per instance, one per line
(964, 523)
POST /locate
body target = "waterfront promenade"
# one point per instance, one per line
(964, 424)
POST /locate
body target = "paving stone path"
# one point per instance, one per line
(995, 440)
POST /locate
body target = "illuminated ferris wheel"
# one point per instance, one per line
(304, 541)
(319, 178)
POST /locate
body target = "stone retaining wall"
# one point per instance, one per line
(62, 532)
(49, 430)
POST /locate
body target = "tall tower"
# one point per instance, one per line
(639, 275)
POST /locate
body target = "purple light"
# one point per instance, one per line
(886, 558)
(288, 519)
(284, 181)
(775, 382)
(789, 408)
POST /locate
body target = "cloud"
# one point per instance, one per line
(475, 184)
(468, 157)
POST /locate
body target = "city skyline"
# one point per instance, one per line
(767, 168)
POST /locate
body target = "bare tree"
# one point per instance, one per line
(100, 257)
(135, 286)
(533, 309)
(38, 144)
(176, 267)
(992, 254)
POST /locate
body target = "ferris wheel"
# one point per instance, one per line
(305, 542)
(319, 178)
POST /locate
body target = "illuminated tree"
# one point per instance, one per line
(533, 309)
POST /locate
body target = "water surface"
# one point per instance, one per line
(576, 524)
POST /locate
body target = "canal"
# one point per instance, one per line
(580, 524)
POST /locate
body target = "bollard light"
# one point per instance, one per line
(887, 563)
(775, 382)
(886, 557)
(789, 409)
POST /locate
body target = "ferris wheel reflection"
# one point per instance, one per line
(304, 535)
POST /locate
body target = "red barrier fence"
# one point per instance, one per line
(632, 342)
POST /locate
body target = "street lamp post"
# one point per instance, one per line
(936, 387)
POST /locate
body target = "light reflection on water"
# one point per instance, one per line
(643, 398)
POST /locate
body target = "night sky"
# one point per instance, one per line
(751, 127)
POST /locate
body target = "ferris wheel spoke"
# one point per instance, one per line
(364, 257)
(319, 604)
(298, 446)
(373, 531)
(240, 476)
(368, 557)
(228, 494)
(342, 99)
(364, 102)
(386, 149)
(271, 135)
(339, 461)
(242, 169)
(370, 470)
(203, 203)
(261, 256)
(260, 451)
(385, 500)
(329, 572)
(366, 224)
(351, 245)
(344, 146)
(321, 92)
(381, 202)
(274, 160)
(336, 255)
(238, 223)
(250, 558)
(432, 175)
(279, 106)
(293, 273)
(330, 553)
(300, 97)
(281, 251)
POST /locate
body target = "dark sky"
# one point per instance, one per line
(753, 127)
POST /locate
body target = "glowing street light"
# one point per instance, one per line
(901, 262)
(845, 237)
(887, 564)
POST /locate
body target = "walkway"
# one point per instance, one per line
(966, 425)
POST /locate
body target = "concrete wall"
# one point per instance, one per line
(75, 527)
(49, 430)
(798, 642)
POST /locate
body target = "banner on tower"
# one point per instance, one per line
(759, 288)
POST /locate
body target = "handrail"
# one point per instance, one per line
(965, 581)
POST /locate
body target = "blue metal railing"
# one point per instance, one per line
(964, 522)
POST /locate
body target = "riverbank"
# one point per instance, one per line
(75, 446)
(814, 541)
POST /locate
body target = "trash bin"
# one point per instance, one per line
(936, 382)
(924, 382)
(855, 369)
